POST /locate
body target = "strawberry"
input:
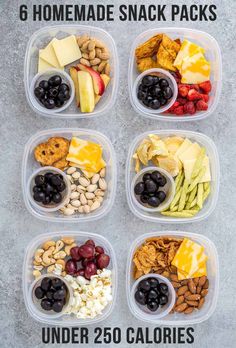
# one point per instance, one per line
(205, 97)
(183, 90)
(193, 95)
(182, 101)
(195, 86)
(179, 110)
(205, 86)
(201, 105)
(189, 108)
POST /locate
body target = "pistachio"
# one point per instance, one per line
(71, 170)
(92, 188)
(74, 195)
(102, 184)
(95, 179)
(87, 209)
(76, 203)
(95, 205)
(84, 182)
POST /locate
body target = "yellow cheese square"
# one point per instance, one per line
(192, 152)
(48, 54)
(43, 65)
(187, 49)
(189, 256)
(67, 50)
(183, 147)
(195, 69)
(207, 176)
(202, 270)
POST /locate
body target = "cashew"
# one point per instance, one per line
(48, 244)
(38, 268)
(38, 255)
(68, 240)
(50, 269)
(59, 246)
(36, 263)
(68, 247)
(36, 273)
(63, 274)
(60, 255)
(61, 262)
(47, 257)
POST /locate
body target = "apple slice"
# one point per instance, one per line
(106, 80)
(98, 84)
(74, 76)
(86, 93)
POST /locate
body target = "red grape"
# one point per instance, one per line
(102, 261)
(74, 253)
(90, 270)
(87, 251)
(86, 261)
(90, 242)
(80, 272)
(99, 250)
(71, 267)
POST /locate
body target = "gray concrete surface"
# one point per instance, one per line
(18, 227)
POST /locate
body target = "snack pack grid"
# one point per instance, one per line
(29, 164)
(179, 319)
(27, 276)
(211, 150)
(42, 37)
(213, 54)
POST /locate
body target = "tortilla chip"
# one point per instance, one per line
(171, 46)
(165, 59)
(148, 48)
(147, 63)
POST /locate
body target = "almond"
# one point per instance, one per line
(199, 289)
(201, 302)
(196, 280)
(188, 293)
(192, 286)
(181, 307)
(176, 285)
(204, 292)
(184, 282)
(206, 284)
(180, 300)
(193, 297)
(174, 277)
(189, 310)
(182, 290)
(202, 280)
(192, 303)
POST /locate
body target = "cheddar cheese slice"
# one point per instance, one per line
(48, 55)
(187, 49)
(67, 50)
(195, 69)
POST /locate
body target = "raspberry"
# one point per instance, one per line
(201, 105)
(183, 90)
(179, 110)
(193, 95)
(175, 105)
(205, 97)
(195, 86)
(189, 108)
(205, 86)
(182, 101)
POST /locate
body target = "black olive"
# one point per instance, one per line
(139, 188)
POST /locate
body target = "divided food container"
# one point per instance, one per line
(29, 165)
(212, 54)
(179, 319)
(28, 279)
(211, 201)
(41, 38)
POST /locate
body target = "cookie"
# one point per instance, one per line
(51, 151)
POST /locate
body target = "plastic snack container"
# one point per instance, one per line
(209, 204)
(212, 53)
(29, 165)
(28, 279)
(41, 38)
(179, 319)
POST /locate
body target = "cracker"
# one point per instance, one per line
(51, 151)
(148, 48)
(61, 164)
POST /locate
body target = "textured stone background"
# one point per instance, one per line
(18, 227)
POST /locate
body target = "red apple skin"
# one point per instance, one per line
(98, 83)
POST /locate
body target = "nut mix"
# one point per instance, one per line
(90, 73)
(172, 257)
(186, 61)
(82, 162)
(84, 268)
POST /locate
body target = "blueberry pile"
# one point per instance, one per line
(148, 189)
(154, 92)
(151, 293)
(52, 93)
(53, 293)
(48, 188)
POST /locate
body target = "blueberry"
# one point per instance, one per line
(39, 196)
(152, 294)
(163, 300)
(57, 306)
(153, 201)
(58, 103)
(155, 90)
(39, 92)
(141, 95)
(37, 189)
(39, 293)
(156, 176)
(154, 283)
(155, 104)
(48, 189)
(39, 180)
(152, 306)
(161, 196)
(47, 200)
(48, 175)
(50, 294)
(146, 176)
(139, 188)
(148, 80)
(64, 87)
(144, 198)
(46, 304)
(57, 283)
(163, 83)
(61, 187)
(54, 80)
(49, 103)
(46, 283)
(63, 95)
(162, 101)
(167, 93)
(150, 186)
(140, 297)
(162, 181)
(147, 101)
(57, 198)
(56, 180)
(44, 84)
(144, 285)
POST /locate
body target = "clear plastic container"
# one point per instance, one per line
(142, 312)
(169, 190)
(30, 164)
(42, 37)
(28, 279)
(212, 53)
(179, 319)
(211, 150)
